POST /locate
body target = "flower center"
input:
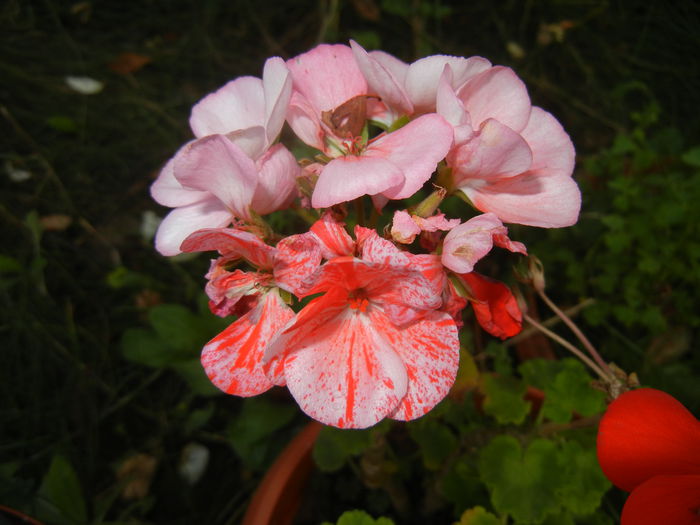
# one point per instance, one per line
(357, 300)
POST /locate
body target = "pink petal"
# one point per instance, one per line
(216, 165)
(231, 243)
(416, 157)
(346, 374)
(346, 178)
(277, 86)
(495, 151)
(397, 68)
(251, 141)
(168, 191)
(183, 221)
(233, 359)
(531, 199)
(674, 500)
(429, 350)
(423, 77)
(277, 178)
(497, 93)
(469, 242)
(238, 105)
(381, 81)
(305, 120)
(552, 150)
(334, 240)
(297, 258)
(403, 227)
(448, 104)
(436, 223)
(327, 76)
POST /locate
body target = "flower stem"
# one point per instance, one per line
(571, 348)
(578, 333)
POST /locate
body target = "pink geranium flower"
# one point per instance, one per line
(328, 110)
(372, 346)
(649, 445)
(509, 158)
(232, 167)
(233, 359)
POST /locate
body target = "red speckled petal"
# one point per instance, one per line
(647, 433)
(231, 242)
(297, 257)
(233, 359)
(429, 349)
(673, 500)
(335, 241)
(346, 375)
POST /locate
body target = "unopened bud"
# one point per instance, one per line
(536, 270)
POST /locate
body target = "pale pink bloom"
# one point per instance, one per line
(412, 89)
(233, 359)
(354, 355)
(465, 244)
(509, 158)
(232, 167)
(405, 227)
(329, 107)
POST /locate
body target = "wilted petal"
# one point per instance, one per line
(497, 93)
(647, 433)
(495, 307)
(240, 104)
(216, 165)
(416, 157)
(403, 227)
(429, 349)
(347, 178)
(664, 499)
(297, 258)
(233, 292)
(231, 242)
(233, 359)
(182, 221)
(346, 374)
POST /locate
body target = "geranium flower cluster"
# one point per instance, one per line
(379, 336)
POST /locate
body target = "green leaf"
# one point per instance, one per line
(258, 420)
(584, 484)
(435, 440)
(360, 517)
(478, 516)
(692, 156)
(9, 264)
(334, 446)
(61, 489)
(62, 123)
(146, 348)
(195, 377)
(178, 326)
(504, 399)
(522, 485)
(570, 392)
